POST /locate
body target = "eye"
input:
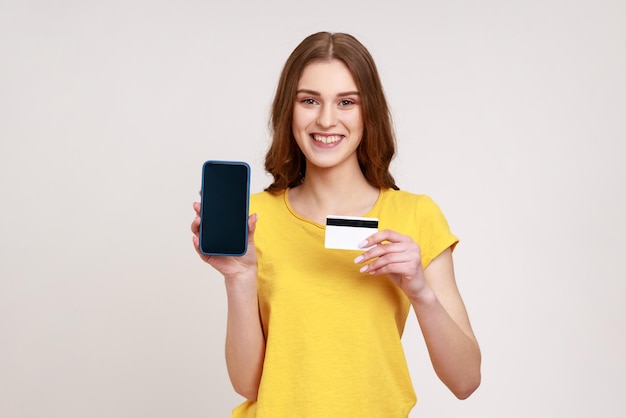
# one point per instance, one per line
(346, 102)
(308, 101)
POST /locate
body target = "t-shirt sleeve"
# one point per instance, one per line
(434, 232)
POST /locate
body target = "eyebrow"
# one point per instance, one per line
(317, 93)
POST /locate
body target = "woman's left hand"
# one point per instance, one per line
(397, 256)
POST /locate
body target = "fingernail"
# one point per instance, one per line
(358, 259)
(363, 244)
(363, 269)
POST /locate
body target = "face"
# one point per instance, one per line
(327, 122)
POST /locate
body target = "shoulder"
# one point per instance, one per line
(407, 202)
(263, 201)
(416, 210)
(420, 217)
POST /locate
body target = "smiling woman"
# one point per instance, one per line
(327, 116)
(314, 331)
(284, 159)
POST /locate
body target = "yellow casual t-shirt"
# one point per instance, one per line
(333, 345)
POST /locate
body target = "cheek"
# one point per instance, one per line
(299, 120)
(356, 116)
(298, 126)
(356, 122)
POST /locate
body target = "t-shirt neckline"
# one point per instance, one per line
(370, 214)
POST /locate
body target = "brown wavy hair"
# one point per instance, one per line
(284, 160)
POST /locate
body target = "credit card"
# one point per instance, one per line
(347, 232)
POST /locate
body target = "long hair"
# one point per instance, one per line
(284, 160)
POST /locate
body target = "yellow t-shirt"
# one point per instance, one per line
(333, 345)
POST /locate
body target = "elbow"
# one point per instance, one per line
(250, 392)
(466, 380)
(245, 381)
(465, 389)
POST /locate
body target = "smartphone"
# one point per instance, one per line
(224, 200)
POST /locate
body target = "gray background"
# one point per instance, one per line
(509, 114)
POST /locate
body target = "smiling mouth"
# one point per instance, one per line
(327, 139)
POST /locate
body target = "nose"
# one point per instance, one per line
(327, 116)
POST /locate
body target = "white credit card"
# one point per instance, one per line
(347, 232)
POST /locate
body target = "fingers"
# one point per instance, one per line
(195, 239)
(385, 235)
(390, 258)
(386, 248)
(383, 242)
(195, 226)
(392, 252)
(196, 244)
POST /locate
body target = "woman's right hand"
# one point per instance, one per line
(245, 340)
(229, 266)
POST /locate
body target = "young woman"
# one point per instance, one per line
(315, 332)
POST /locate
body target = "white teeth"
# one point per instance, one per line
(327, 139)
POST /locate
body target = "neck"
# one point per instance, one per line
(330, 192)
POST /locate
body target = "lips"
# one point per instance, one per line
(327, 139)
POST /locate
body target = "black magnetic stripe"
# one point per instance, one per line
(351, 222)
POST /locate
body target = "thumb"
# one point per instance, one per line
(252, 219)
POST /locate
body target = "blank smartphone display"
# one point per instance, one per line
(224, 208)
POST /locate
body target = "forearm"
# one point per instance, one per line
(455, 355)
(245, 342)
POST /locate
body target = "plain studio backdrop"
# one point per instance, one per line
(509, 114)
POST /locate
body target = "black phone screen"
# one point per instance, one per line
(224, 208)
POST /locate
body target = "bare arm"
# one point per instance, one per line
(452, 346)
(444, 322)
(245, 342)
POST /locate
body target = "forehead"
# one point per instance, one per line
(327, 76)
